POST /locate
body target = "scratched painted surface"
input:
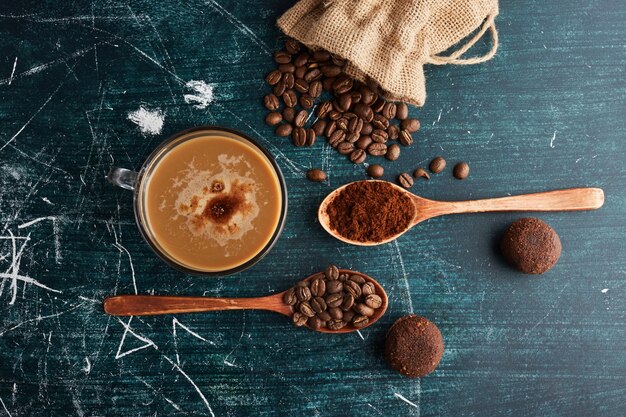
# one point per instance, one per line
(547, 112)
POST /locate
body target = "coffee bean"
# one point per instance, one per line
(360, 321)
(357, 278)
(379, 136)
(289, 297)
(373, 301)
(315, 89)
(342, 123)
(363, 142)
(412, 125)
(312, 75)
(273, 77)
(287, 68)
(306, 101)
(328, 84)
(336, 324)
(289, 98)
(318, 285)
(380, 122)
(344, 102)
(310, 137)
(298, 136)
(355, 125)
(352, 288)
(321, 56)
(299, 72)
(336, 138)
(288, 114)
(358, 156)
(301, 86)
(305, 308)
(333, 300)
(316, 175)
(300, 118)
(282, 57)
(393, 131)
(318, 304)
(334, 286)
(375, 171)
(271, 102)
(352, 137)
(405, 180)
(331, 70)
(356, 96)
(364, 112)
(342, 84)
(363, 310)
(284, 130)
(288, 79)
(345, 148)
(336, 313)
(293, 46)
(331, 272)
(319, 126)
(389, 110)
(461, 170)
(324, 109)
(334, 115)
(340, 62)
(378, 105)
(402, 111)
(368, 288)
(280, 88)
(348, 316)
(437, 165)
(393, 152)
(348, 302)
(331, 127)
(343, 277)
(303, 293)
(367, 128)
(301, 59)
(405, 138)
(367, 95)
(299, 319)
(377, 149)
(303, 283)
(273, 118)
(324, 315)
(421, 173)
(315, 322)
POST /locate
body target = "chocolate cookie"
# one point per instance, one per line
(414, 346)
(531, 246)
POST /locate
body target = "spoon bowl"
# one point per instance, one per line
(572, 199)
(151, 305)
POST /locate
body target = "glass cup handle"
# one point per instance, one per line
(123, 177)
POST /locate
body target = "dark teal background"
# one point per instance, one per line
(547, 112)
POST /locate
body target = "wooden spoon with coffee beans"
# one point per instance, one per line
(151, 305)
(572, 199)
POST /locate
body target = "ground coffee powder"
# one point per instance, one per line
(370, 211)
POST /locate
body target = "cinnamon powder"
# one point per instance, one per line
(370, 211)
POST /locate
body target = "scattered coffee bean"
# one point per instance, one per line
(345, 148)
(364, 112)
(289, 98)
(282, 57)
(284, 130)
(461, 170)
(342, 123)
(352, 137)
(355, 125)
(375, 171)
(380, 122)
(315, 89)
(301, 59)
(280, 88)
(412, 125)
(405, 138)
(402, 111)
(367, 128)
(271, 102)
(288, 79)
(377, 149)
(301, 86)
(299, 72)
(310, 137)
(421, 173)
(287, 68)
(288, 114)
(306, 101)
(336, 138)
(389, 110)
(298, 135)
(393, 152)
(378, 105)
(319, 126)
(273, 118)
(437, 165)
(324, 109)
(357, 156)
(273, 77)
(405, 180)
(316, 175)
(300, 118)
(312, 75)
(363, 142)
(292, 46)
(331, 70)
(379, 136)
(393, 131)
(334, 115)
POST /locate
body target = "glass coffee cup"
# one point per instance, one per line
(208, 200)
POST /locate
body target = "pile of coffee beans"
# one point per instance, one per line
(333, 300)
(356, 120)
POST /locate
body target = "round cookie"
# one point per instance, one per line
(414, 346)
(531, 246)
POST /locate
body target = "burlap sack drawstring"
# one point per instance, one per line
(454, 59)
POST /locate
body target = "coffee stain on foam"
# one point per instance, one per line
(150, 122)
(202, 94)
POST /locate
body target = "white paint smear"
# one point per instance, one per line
(203, 94)
(150, 122)
(604, 291)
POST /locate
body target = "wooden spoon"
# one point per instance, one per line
(151, 305)
(560, 200)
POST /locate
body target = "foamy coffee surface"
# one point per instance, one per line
(217, 204)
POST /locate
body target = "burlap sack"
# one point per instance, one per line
(389, 41)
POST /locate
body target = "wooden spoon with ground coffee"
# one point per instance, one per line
(374, 212)
(366, 313)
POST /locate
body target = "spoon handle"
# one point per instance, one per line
(151, 305)
(559, 200)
